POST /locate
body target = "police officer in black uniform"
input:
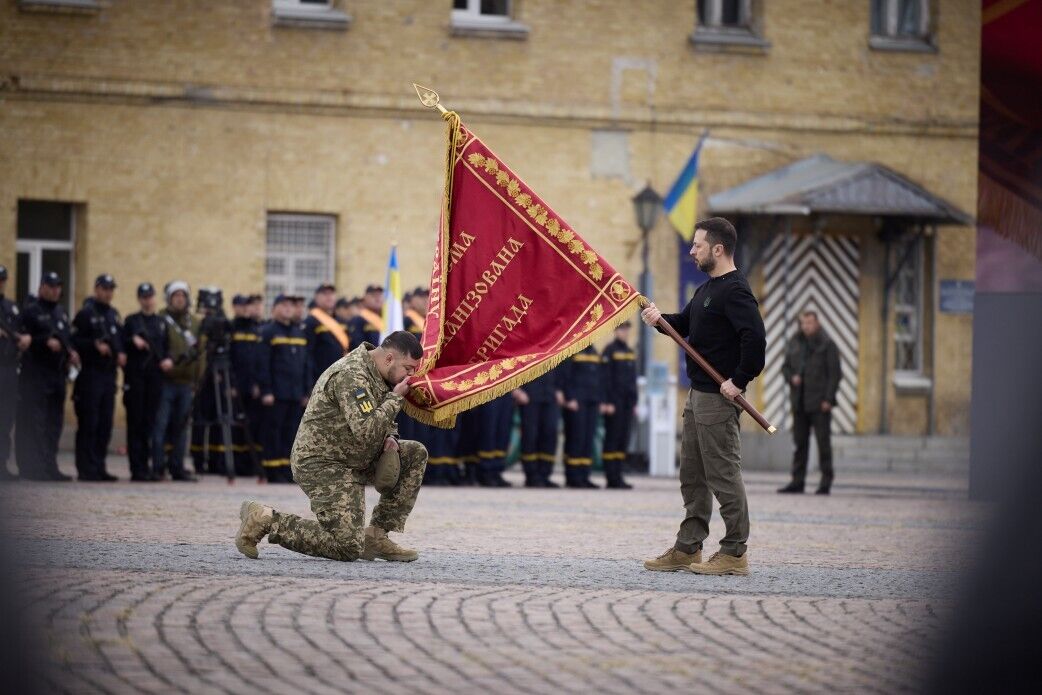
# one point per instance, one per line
(620, 380)
(97, 334)
(243, 356)
(283, 378)
(144, 339)
(327, 336)
(540, 402)
(41, 383)
(12, 344)
(368, 324)
(583, 386)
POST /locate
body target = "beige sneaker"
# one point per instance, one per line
(256, 522)
(379, 546)
(721, 564)
(672, 560)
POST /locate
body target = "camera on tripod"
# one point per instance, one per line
(215, 325)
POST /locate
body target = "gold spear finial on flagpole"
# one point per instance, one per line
(428, 97)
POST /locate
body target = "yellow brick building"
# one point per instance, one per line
(255, 143)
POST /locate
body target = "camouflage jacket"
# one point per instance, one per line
(350, 414)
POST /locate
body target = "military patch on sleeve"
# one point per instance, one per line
(365, 403)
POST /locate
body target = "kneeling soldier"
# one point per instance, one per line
(348, 425)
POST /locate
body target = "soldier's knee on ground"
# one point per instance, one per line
(346, 546)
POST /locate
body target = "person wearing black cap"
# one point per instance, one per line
(327, 336)
(97, 334)
(369, 324)
(243, 358)
(41, 383)
(12, 344)
(144, 338)
(620, 386)
(283, 378)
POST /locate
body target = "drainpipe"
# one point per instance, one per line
(931, 415)
(883, 428)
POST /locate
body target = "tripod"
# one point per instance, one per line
(218, 372)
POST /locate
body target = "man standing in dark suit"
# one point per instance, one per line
(812, 369)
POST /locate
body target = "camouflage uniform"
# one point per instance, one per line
(351, 412)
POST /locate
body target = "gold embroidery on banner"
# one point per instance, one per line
(596, 314)
(491, 374)
(540, 214)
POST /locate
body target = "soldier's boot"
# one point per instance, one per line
(720, 563)
(379, 546)
(673, 560)
(256, 522)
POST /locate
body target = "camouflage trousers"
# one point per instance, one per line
(337, 495)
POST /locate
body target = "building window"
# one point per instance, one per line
(908, 313)
(900, 25)
(45, 243)
(485, 18)
(723, 23)
(300, 252)
(314, 14)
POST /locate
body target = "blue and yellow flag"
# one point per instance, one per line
(681, 204)
(392, 311)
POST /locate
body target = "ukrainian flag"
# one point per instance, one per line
(392, 311)
(681, 204)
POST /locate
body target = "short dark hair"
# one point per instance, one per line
(719, 231)
(405, 343)
(809, 312)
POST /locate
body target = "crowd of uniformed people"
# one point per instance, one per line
(200, 383)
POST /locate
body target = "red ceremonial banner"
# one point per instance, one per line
(514, 290)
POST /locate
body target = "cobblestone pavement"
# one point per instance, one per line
(139, 588)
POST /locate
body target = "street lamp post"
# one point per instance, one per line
(646, 205)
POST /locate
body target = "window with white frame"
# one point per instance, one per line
(900, 24)
(300, 253)
(908, 313)
(492, 17)
(727, 22)
(316, 14)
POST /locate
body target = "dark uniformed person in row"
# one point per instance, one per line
(346, 309)
(144, 339)
(244, 359)
(540, 403)
(620, 388)
(583, 386)
(484, 439)
(12, 343)
(367, 326)
(327, 337)
(284, 380)
(97, 334)
(41, 383)
(414, 319)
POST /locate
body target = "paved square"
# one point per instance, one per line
(138, 588)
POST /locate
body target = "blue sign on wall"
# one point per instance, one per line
(957, 296)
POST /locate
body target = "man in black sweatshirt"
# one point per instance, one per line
(722, 322)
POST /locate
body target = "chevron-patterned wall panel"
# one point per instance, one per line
(820, 273)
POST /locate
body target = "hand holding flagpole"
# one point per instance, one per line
(708, 369)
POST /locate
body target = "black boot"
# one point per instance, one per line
(792, 488)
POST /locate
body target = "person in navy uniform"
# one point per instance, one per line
(243, 362)
(413, 321)
(97, 334)
(144, 339)
(620, 387)
(283, 378)
(327, 336)
(12, 343)
(485, 434)
(41, 383)
(583, 385)
(368, 324)
(540, 402)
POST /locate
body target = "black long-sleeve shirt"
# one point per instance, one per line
(723, 323)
